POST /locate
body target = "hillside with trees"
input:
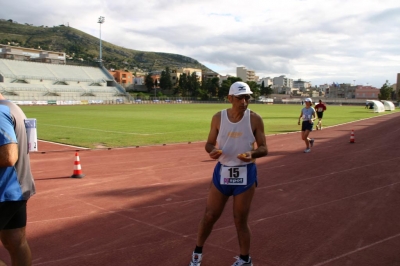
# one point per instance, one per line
(82, 47)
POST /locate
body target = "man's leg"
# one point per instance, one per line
(241, 210)
(14, 240)
(215, 205)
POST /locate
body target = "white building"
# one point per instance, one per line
(267, 81)
(283, 81)
(301, 84)
(245, 74)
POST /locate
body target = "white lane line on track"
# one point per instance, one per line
(356, 250)
(329, 202)
(328, 174)
(61, 144)
(311, 207)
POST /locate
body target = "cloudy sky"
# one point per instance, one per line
(345, 41)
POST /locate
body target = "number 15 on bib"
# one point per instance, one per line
(233, 175)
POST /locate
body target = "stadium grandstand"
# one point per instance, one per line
(30, 82)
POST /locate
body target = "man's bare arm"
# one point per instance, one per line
(212, 136)
(259, 134)
(8, 154)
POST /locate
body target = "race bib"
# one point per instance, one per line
(233, 175)
(320, 109)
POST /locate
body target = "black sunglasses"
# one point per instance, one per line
(243, 96)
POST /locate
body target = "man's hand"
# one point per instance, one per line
(215, 154)
(245, 157)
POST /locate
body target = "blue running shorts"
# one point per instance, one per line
(233, 190)
(307, 125)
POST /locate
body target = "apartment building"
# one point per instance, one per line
(283, 81)
(176, 73)
(323, 88)
(123, 77)
(366, 92)
(267, 81)
(209, 75)
(245, 74)
(301, 84)
(30, 54)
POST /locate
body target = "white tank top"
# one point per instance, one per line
(234, 138)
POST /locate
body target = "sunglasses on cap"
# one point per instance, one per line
(243, 96)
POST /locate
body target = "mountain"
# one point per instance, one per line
(78, 44)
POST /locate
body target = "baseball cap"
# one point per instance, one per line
(239, 88)
(308, 100)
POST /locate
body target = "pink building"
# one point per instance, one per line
(366, 92)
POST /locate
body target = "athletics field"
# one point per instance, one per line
(335, 206)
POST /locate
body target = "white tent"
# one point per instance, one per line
(389, 106)
(378, 106)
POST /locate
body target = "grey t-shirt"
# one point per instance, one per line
(23, 166)
(307, 113)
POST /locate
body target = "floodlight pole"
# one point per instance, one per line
(100, 21)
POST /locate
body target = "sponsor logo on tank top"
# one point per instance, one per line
(235, 134)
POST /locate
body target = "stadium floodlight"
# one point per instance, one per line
(100, 21)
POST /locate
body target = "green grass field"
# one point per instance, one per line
(98, 126)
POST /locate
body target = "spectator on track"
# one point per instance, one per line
(320, 108)
(16, 182)
(308, 116)
(231, 140)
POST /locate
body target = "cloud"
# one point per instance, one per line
(317, 41)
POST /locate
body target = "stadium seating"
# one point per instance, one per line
(31, 81)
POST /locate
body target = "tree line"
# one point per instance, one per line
(189, 85)
(386, 92)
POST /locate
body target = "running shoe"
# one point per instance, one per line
(307, 150)
(196, 259)
(240, 262)
(311, 142)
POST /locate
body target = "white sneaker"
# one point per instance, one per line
(307, 150)
(240, 262)
(196, 259)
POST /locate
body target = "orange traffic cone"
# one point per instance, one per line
(352, 139)
(77, 168)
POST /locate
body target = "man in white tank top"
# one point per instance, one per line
(232, 138)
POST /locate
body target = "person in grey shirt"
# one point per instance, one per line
(16, 182)
(307, 114)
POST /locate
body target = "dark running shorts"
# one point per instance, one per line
(12, 214)
(320, 114)
(229, 190)
(306, 125)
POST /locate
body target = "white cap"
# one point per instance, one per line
(239, 88)
(308, 100)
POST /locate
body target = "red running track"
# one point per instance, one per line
(338, 205)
